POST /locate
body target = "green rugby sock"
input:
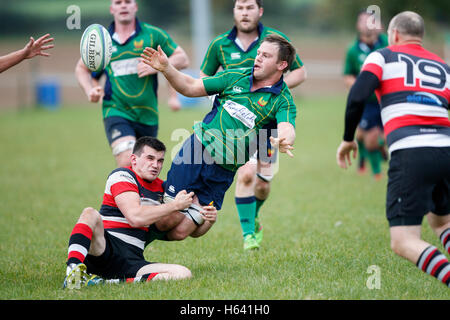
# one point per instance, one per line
(259, 204)
(246, 208)
(362, 153)
(375, 161)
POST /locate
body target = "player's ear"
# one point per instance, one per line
(282, 65)
(261, 12)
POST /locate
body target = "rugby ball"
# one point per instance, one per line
(96, 47)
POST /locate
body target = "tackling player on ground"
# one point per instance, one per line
(237, 48)
(108, 246)
(412, 85)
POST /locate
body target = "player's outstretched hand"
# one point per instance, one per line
(37, 47)
(183, 200)
(282, 145)
(144, 69)
(343, 157)
(156, 59)
(209, 213)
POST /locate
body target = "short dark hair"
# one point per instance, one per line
(286, 51)
(150, 142)
(408, 23)
(258, 2)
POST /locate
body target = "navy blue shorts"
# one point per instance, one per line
(117, 127)
(371, 116)
(419, 182)
(194, 170)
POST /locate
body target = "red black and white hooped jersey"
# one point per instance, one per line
(114, 222)
(414, 94)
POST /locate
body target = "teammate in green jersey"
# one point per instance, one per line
(237, 48)
(247, 99)
(130, 107)
(369, 134)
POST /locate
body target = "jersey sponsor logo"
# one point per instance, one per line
(171, 189)
(138, 45)
(235, 55)
(125, 67)
(241, 113)
(424, 98)
(116, 133)
(262, 102)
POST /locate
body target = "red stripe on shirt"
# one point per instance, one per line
(375, 69)
(411, 120)
(398, 84)
(120, 187)
(114, 225)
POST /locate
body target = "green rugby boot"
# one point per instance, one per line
(250, 242)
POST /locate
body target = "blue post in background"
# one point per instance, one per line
(48, 93)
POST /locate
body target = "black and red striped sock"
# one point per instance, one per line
(433, 262)
(79, 243)
(445, 239)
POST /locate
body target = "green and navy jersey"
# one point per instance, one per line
(226, 53)
(229, 131)
(127, 95)
(357, 54)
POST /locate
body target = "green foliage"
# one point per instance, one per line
(323, 226)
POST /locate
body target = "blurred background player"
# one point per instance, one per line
(32, 49)
(237, 48)
(130, 106)
(412, 85)
(369, 134)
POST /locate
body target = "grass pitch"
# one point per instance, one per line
(323, 227)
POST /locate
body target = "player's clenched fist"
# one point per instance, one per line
(183, 200)
(95, 94)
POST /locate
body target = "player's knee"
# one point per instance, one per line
(181, 272)
(246, 177)
(398, 246)
(90, 216)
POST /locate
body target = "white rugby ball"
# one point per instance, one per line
(96, 47)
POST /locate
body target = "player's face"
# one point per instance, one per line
(247, 15)
(266, 61)
(124, 11)
(149, 164)
(367, 34)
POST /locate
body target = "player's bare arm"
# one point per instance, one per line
(295, 77)
(32, 49)
(286, 138)
(90, 86)
(139, 215)
(181, 82)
